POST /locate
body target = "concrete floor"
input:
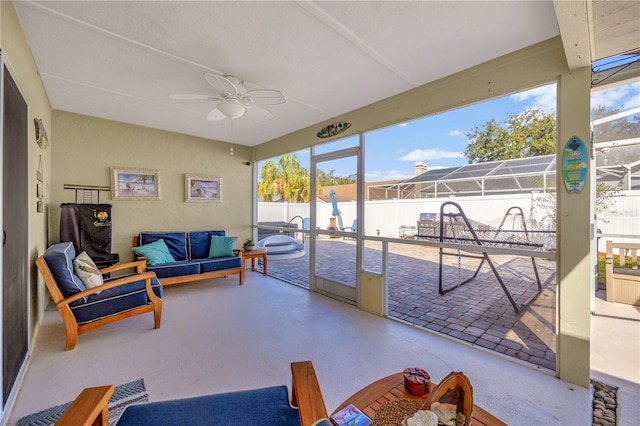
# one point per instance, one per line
(217, 336)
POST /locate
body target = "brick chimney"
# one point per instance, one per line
(419, 168)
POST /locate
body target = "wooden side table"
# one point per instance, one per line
(372, 397)
(253, 255)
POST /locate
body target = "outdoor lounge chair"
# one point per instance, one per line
(83, 309)
(353, 228)
(267, 406)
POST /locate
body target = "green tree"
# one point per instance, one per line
(330, 179)
(605, 198)
(526, 134)
(287, 180)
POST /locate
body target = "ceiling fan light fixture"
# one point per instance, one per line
(232, 108)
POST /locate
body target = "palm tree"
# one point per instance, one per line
(288, 180)
(144, 179)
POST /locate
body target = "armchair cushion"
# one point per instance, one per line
(59, 259)
(113, 300)
(222, 246)
(156, 252)
(87, 270)
(200, 242)
(175, 241)
(269, 406)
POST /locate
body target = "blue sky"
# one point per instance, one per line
(439, 140)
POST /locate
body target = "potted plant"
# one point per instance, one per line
(249, 245)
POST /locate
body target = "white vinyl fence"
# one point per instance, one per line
(620, 222)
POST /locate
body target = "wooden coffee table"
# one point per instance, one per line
(253, 255)
(372, 397)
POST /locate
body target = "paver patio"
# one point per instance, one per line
(478, 312)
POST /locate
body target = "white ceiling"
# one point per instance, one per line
(121, 60)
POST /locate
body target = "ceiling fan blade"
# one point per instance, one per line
(221, 84)
(195, 97)
(258, 113)
(215, 115)
(264, 97)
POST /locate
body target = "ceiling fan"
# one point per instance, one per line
(234, 100)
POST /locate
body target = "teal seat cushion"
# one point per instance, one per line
(156, 252)
(221, 246)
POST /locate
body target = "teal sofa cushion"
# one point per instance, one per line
(157, 252)
(221, 246)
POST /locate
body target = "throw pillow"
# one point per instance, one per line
(87, 270)
(156, 252)
(221, 246)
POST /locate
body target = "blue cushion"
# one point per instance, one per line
(113, 300)
(222, 246)
(269, 406)
(185, 267)
(59, 259)
(176, 242)
(219, 264)
(156, 252)
(199, 243)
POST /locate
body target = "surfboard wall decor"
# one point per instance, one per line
(574, 165)
(333, 129)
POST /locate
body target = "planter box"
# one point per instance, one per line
(623, 284)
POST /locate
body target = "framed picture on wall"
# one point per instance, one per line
(135, 184)
(201, 188)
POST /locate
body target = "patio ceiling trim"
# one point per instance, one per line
(573, 20)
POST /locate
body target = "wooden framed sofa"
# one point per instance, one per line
(268, 406)
(84, 309)
(191, 255)
(623, 283)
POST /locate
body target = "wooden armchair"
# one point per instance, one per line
(90, 407)
(623, 284)
(86, 309)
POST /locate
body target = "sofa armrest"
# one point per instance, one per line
(306, 393)
(139, 265)
(90, 408)
(113, 283)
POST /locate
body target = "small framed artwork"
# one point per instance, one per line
(201, 188)
(135, 184)
(40, 190)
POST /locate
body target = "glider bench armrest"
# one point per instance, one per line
(306, 393)
(90, 408)
(146, 276)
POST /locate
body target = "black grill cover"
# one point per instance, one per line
(88, 227)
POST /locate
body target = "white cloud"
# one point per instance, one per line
(430, 154)
(382, 175)
(455, 133)
(543, 98)
(629, 95)
(403, 124)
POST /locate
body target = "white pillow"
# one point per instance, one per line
(87, 271)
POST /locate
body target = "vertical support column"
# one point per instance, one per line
(575, 236)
